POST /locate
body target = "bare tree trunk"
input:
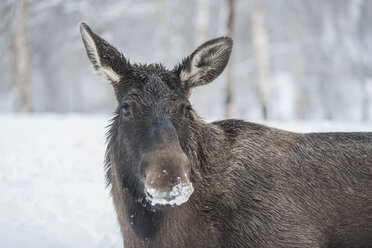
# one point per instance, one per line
(162, 38)
(201, 28)
(300, 63)
(261, 48)
(22, 48)
(14, 78)
(229, 69)
(13, 62)
(180, 29)
(365, 102)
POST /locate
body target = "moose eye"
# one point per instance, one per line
(187, 111)
(126, 110)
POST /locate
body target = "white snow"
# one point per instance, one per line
(179, 194)
(52, 191)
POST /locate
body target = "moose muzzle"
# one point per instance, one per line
(167, 177)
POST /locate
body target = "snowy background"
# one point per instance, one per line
(311, 67)
(309, 60)
(52, 190)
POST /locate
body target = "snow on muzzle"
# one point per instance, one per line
(167, 178)
(177, 195)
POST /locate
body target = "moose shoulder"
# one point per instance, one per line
(177, 181)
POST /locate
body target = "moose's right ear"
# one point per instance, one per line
(106, 60)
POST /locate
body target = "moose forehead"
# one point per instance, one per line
(152, 83)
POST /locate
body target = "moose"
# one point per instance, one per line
(177, 181)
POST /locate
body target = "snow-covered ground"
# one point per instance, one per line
(52, 191)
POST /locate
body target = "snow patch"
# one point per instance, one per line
(178, 195)
(52, 183)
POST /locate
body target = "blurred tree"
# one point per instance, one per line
(22, 62)
(229, 69)
(261, 48)
(162, 31)
(200, 36)
(300, 64)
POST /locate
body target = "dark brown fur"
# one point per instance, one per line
(255, 186)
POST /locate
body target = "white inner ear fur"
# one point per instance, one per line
(196, 72)
(106, 72)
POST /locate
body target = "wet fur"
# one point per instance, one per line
(255, 186)
(261, 187)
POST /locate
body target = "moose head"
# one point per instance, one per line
(154, 119)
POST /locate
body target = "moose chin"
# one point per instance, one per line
(177, 181)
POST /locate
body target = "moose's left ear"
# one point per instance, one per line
(206, 63)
